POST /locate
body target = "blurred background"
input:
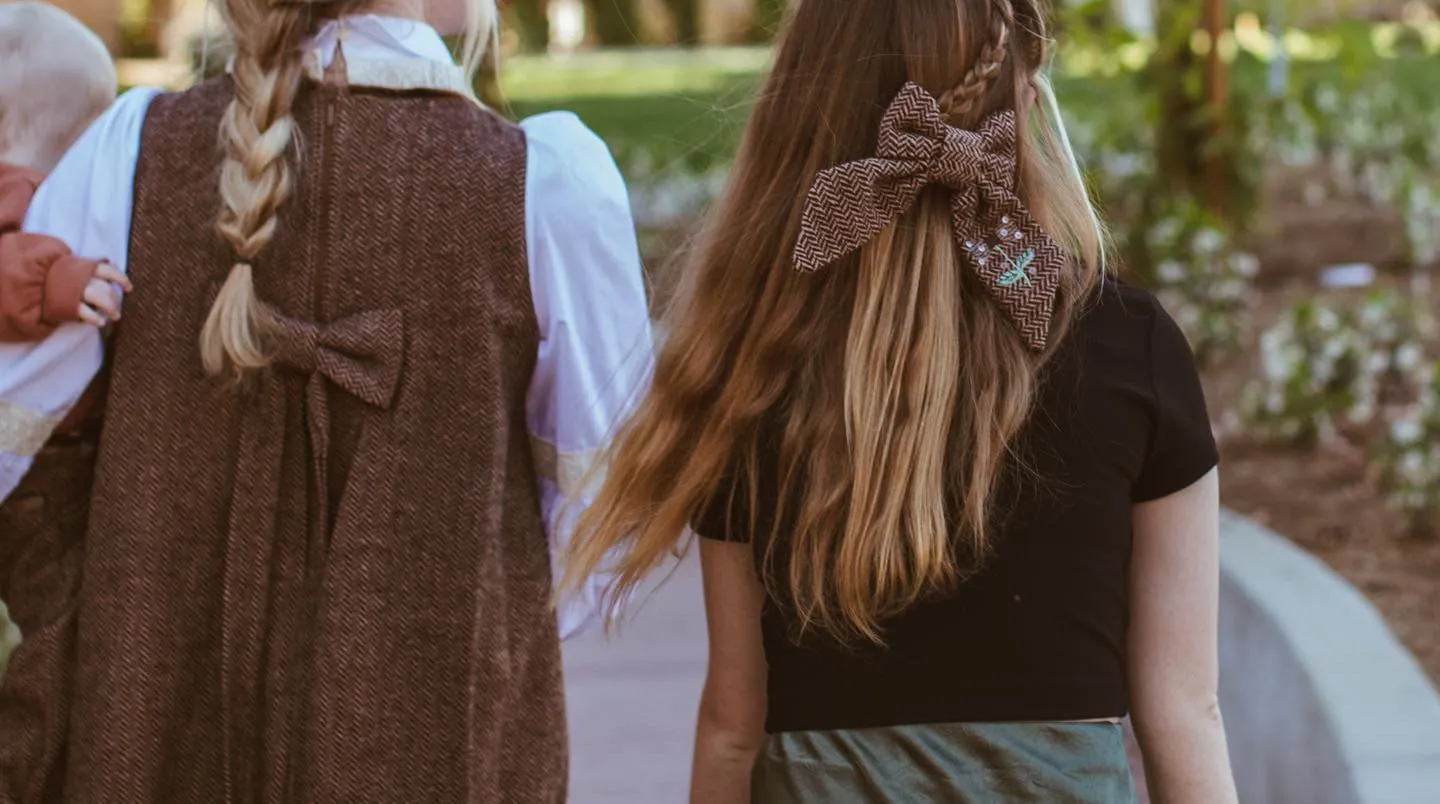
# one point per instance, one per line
(1270, 167)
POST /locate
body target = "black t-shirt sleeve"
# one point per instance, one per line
(1182, 444)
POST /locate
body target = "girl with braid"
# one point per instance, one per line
(375, 333)
(955, 486)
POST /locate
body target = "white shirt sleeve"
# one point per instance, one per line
(86, 202)
(596, 348)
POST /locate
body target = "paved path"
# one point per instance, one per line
(632, 699)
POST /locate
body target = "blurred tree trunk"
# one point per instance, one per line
(1217, 100)
(532, 22)
(766, 18)
(686, 15)
(1200, 143)
(1179, 89)
(616, 22)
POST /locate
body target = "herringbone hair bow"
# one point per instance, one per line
(850, 204)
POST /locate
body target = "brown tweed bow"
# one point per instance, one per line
(850, 204)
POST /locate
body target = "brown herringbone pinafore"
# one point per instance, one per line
(330, 584)
(42, 533)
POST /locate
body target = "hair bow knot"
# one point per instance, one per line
(849, 204)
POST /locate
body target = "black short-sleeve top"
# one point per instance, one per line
(1040, 632)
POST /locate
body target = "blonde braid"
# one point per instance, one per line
(255, 134)
(960, 102)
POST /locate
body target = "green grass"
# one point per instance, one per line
(670, 108)
(685, 109)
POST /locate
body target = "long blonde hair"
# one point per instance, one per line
(256, 134)
(890, 383)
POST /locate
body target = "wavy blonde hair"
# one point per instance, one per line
(256, 135)
(890, 383)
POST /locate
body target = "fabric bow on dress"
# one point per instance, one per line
(848, 205)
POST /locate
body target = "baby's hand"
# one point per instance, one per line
(102, 301)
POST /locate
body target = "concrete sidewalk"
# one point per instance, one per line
(632, 699)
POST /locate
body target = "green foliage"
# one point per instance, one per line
(1202, 278)
(677, 112)
(1409, 456)
(1310, 376)
(1325, 368)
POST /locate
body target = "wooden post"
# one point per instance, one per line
(1217, 97)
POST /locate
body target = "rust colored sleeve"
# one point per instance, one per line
(17, 187)
(65, 288)
(32, 267)
(41, 282)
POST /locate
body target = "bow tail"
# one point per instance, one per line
(317, 420)
(1019, 264)
(245, 586)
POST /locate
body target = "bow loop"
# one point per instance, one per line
(913, 129)
(849, 204)
(362, 353)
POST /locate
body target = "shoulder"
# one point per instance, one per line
(1124, 312)
(570, 170)
(125, 117)
(1119, 305)
(1125, 329)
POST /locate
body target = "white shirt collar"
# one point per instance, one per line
(386, 52)
(372, 37)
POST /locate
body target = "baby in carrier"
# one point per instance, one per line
(56, 77)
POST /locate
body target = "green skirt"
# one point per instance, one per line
(951, 763)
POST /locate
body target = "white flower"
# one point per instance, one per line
(1409, 356)
(1170, 271)
(1333, 349)
(1246, 264)
(1375, 363)
(1209, 241)
(1406, 431)
(1187, 316)
(1326, 320)
(1231, 290)
(1412, 467)
(1361, 413)
(1374, 315)
(1165, 231)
